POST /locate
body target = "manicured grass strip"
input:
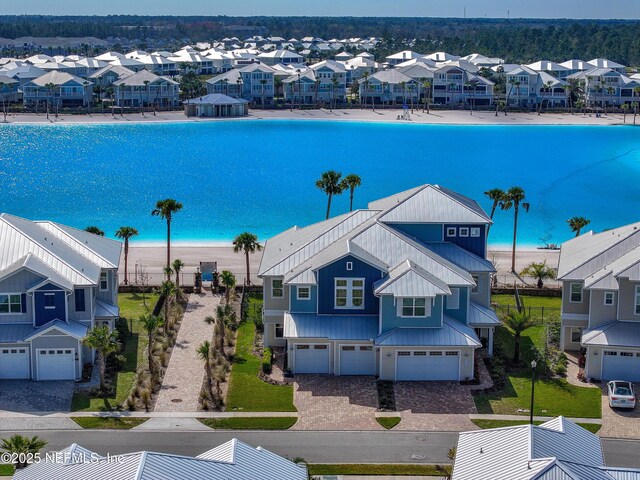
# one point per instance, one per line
(388, 422)
(246, 391)
(250, 423)
(529, 300)
(553, 397)
(131, 308)
(6, 470)
(376, 469)
(110, 423)
(592, 427)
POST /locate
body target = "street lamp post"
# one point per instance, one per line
(533, 380)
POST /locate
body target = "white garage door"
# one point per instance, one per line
(56, 364)
(433, 365)
(357, 360)
(312, 358)
(621, 365)
(14, 363)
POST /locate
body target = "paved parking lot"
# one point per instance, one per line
(29, 396)
(618, 422)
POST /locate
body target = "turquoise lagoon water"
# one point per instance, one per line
(259, 175)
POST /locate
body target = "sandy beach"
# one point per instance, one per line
(443, 117)
(152, 260)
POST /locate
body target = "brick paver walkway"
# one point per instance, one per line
(185, 373)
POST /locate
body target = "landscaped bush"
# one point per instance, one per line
(267, 355)
(119, 362)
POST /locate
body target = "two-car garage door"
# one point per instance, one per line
(14, 363)
(428, 365)
(621, 365)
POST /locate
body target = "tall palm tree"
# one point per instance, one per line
(334, 84)
(227, 279)
(247, 243)
(330, 184)
(514, 198)
(350, 182)
(105, 343)
(517, 322)
(225, 316)
(126, 233)
(576, 224)
(151, 323)
(167, 289)
(177, 266)
(426, 84)
(95, 230)
(165, 209)
(22, 448)
(263, 82)
(204, 353)
(496, 195)
(539, 271)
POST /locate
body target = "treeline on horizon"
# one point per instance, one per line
(515, 40)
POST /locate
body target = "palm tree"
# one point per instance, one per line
(177, 265)
(167, 290)
(165, 209)
(625, 109)
(227, 279)
(496, 195)
(121, 89)
(126, 233)
(576, 224)
(22, 448)
(317, 84)
(334, 84)
(50, 90)
(513, 198)
(204, 353)
(512, 83)
(427, 95)
(539, 271)
(224, 317)
(330, 184)
(350, 182)
(95, 230)
(4, 106)
(151, 323)
(248, 243)
(263, 82)
(105, 343)
(517, 322)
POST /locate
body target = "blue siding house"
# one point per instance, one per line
(399, 290)
(56, 283)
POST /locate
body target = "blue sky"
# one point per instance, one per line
(403, 8)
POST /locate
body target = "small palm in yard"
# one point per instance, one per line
(167, 289)
(126, 233)
(228, 279)
(105, 343)
(151, 323)
(177, 267)
(539, 271)
(517, 322)
(18, 444)
(247, 243)
(225, 317)
(204, 353)
(576, 224)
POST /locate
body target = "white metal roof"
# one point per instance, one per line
(479, 316)
(410, 280)
(613, 334)
(335, 327)
(452, 334)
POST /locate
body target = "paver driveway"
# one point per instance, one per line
(435, 406)
(618, 422)
(30, 396)
(335, 403)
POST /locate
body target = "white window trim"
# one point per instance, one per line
(463, 232)
(275, 330)
(106, 280)
(635, 301)
(451, 231)
(576, 330)
(9, 303)
(349, 266)
(349, 288)
(474, 232)
(298, 297)
(279, 288)
(571, 292)
(613, 298)
(427, 307)
(51, 307)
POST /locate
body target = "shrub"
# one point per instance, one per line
(131, 403)
(119, 362)
(257, 320)
(267, 355)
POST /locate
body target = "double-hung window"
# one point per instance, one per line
(415, 307)
(304, 293)
(609, 298)
(104, 282)
(277, 290)
(349, 293)
(79, 298)
(49, 301)
(10, 303)
(637, 300)
(576, 293)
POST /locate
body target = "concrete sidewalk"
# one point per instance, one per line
(479, 416)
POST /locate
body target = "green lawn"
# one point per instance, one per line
(6, 470)
(375, 469)
(388, 422)
(529, 300)
(131, 308)
(246, 391)
(120, 423)
(250, 423)
(592, 427)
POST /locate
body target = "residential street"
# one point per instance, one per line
(314, 447)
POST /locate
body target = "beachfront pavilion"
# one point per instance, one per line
(216, 105)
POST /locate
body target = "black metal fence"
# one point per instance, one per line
(541, 314)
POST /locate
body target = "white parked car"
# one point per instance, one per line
(621, 394)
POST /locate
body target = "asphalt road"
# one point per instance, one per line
(314, 447)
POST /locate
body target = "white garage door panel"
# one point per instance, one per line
(621, 365)
(357, 360)
(14, 363)
(312, 358)
(428, 365)
(56, 364)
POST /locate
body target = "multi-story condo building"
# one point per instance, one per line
(332, 81)
(254, 83)
(144, 88)
(605, 86)
(399, 290)
(453, 85)
(56, 283)
(57, 88)
(389, 87)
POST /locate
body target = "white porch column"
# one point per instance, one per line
(490, 345)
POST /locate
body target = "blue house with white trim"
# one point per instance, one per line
(400, 290)
(56, 283)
